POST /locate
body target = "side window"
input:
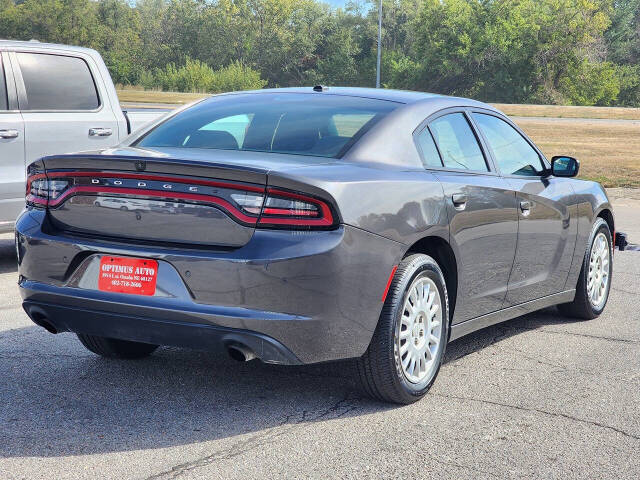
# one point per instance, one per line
(513, 153)
(430, 155)
(4, 102)
(55, 82)
(457, 143)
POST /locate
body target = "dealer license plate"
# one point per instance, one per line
(128, 275)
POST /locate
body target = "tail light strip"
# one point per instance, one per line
(138, 176)
(300, 211)
(205, 199)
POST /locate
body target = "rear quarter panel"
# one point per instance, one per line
(403, 205)
(591, 200)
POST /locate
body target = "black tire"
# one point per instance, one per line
(123, 208)
(379, 370)
(581, 307)
(112, 348)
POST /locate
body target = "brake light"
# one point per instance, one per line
(247, 204)
(287, 209)
(41, 190)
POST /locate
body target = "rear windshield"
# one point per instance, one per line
(303, 124)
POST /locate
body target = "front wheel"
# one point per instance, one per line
(407, 348)
(594, 282)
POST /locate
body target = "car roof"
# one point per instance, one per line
(7, 44)
(400, 96)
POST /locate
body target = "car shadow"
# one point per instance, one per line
(59, 399)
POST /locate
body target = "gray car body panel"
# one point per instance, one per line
(320, 293)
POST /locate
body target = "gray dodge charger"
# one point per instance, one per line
(313, 224)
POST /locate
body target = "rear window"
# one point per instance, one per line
(55, 82)
(303, 124)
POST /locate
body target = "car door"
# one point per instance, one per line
(12, 164)
(63, 106)
(483, 220)
(547, 223)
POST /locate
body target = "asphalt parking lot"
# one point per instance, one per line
(540, 396)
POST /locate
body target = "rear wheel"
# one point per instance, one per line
(112, 348)
(407, 348)
(594, 283)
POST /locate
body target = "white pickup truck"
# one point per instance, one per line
(54, 99)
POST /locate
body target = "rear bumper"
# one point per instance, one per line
(292, 297)
(147, 329)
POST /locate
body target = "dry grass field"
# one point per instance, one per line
(569, 111)
(134, 95)
(609, 152)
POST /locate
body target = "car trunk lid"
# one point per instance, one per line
(153, 198)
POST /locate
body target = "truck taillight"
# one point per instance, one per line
(285, 209)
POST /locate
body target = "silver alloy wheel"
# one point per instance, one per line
(420, 331)
(599, 270)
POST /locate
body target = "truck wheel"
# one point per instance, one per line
(112, 348)
(594, 282)
(407, 348)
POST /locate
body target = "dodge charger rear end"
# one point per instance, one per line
(308, 225)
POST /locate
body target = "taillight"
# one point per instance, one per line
(293, 210)
(248, 202)
(249, 205)
(41, 190)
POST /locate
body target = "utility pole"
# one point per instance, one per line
(379, 44)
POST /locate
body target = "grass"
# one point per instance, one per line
(569, 111)
(608, 152)
(134, 95)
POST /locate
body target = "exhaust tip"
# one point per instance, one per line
(240, 353)
(40, 319)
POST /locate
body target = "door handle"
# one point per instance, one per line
(459, 201)
(8, 133)
(100, 132)
(525, 207)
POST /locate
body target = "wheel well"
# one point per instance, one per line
(607, 216)
(441, 252)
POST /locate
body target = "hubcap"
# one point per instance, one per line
(420, 330)
(599, 270)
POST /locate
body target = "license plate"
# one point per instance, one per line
(128, 275)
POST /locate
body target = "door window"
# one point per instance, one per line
(457, 143)
(4, 103)
(512, 152)
(430, 155)
(55, 82)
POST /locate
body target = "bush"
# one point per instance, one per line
(235, 76)
(196, 76)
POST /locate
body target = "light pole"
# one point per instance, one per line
(379, 44)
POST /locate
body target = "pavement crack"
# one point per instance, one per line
(544, 412)
(265, 437)
(587, 335)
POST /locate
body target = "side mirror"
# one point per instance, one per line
(562, 166)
